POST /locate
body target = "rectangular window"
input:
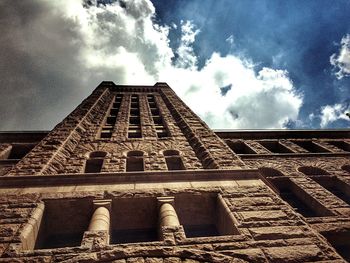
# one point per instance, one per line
(337, 187)
(275, 147)
(18, 151)
(134, 220)
(204, 215)
(340, 240)
(134, 130)
(239, 147)
(159, 124)
(64, 223)
(297, 198)
(341, 145)
(311, 146)
(111, 119)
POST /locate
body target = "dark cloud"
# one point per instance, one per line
(297, 36)
(39, 65)
(225, 89)
(53, 53)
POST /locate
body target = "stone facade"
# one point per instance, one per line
(133, 175)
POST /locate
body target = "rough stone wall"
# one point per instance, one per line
(269, 231)
(49, 156)
(335, 221)
(209, 148)
(118, 146)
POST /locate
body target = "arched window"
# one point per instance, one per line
(346, 168)
(95, 162)
(173, 160)
(134, 161)
(310, 170)
(270, 172)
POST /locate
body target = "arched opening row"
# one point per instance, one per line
(134, 161)
(296, 197)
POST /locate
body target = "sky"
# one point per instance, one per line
(238, 64)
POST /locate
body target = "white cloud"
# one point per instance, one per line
(82, 45)
(331, 113)
(186, 56)
(263, 100)
(341, 61)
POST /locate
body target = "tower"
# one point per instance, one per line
(133, 175)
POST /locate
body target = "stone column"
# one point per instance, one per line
(98, 233)
(169, 226)
(167, 215)
(100, 220)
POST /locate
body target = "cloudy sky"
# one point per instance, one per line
(238, 64)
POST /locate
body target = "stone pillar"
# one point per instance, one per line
(98, 233)
(30, 230)
(167, 215)
(100, 220)
(169, 226)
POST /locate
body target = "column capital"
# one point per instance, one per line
(165, 200)
(106, 203)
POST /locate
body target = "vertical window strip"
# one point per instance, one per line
(161, 130)
(134, 130)
(111, 119)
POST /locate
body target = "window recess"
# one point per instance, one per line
(134, 130)
(159, 124)
(111, 119)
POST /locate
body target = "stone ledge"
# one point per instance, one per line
(99, 178)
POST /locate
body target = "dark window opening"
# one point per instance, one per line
(240, 148)
(64, 223)
(134, 112)
(155, 111)
(310, 170)
(270, 172)
(95, 162)
(311, 146)
(134, 120)
(158, 120)
(341, 145)
(114, 112)
(337, 187)
(340, 240)
(106, 134)
(134, 161)
(201, 231)
(346, 168)
(134, 220)
(275, 147)
(111, 120)
(161, 130)
(134, 130)
(93, 165)
(204, 215)
(116, 105)
(134, 134)
(174, 163)
(173, 160)
(152, 104)
(162, 134)
(297, 198)
(18, 151)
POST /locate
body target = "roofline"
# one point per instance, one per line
(282, 134)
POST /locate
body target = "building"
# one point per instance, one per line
(133, 175)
